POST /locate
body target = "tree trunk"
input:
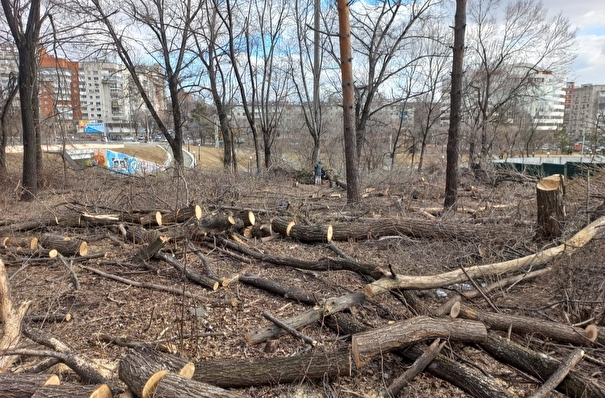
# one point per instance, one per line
(182, 215)
(64, 245)
(520, 324)
(536, 364)
(25, 385)
(348, 98)
(551, 208)
(142, 369)
(451, 178)
(173, 385)
(235, 373)
(369, 344)
(74, 391)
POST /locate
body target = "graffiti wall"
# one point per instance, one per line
(122, 163)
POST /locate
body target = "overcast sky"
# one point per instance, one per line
(588, 16)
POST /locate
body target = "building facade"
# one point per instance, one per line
(586, 113)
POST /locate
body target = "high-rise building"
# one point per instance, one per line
(587, 112)
(59, 89)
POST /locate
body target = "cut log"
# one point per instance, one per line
(311, 233)
(24, 385)
(521, 324)
(138, 234)
(29, 243)
(551, 207)
(182, 215)
(282, 225)
(50, 318)
(141, 369)
(466, 377)
(65, 245)
(173, 385)
(542, 366)
(215, 222)
(152, 219)
(289, 329)
(247, 216)
(148, 251)
(435, 281)
(331, 306)
(74, 391)
(367, 345)
(237, 373)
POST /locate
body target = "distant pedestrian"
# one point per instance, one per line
(318, 172)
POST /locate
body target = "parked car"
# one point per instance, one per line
(128, 138)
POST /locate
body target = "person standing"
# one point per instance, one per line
(318, 171)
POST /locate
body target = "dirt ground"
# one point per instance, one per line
(571, 293)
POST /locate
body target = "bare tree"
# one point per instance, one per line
(504, 56)
(25, 22)
(383, 34)
(309, 63)
(451, 178)
(168, 25)
(7, 94)
(212, 43)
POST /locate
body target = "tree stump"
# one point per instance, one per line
(551, 208)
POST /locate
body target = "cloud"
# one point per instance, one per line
(590, 63)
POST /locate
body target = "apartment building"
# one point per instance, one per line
(586, 115)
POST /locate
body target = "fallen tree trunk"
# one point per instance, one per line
(24, 385)
(286, 292)
(556, 378)
(74, 391)
(466, 377)
(330, 306)
(434, 281)
(142, 369)
(173, 385)
(520, 324)
(237, 373)
(29, 243)
(367, 345)
(148, 251)
(575, 385)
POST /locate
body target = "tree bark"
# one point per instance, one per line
(451, 171)
(199, 279)
(64, 245)
(148, 251)
(520, 324)
(282, 225)
(142, 369)
(74, 391)
(182, 215)
(287, 292)
(29, 243)
(152, 219)
(348, 102)
(575, 385)
(331, 306)
(551, 207)
(173, 385)
(24, 385)
(568, 364)
(465, 377)
(369, 344)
